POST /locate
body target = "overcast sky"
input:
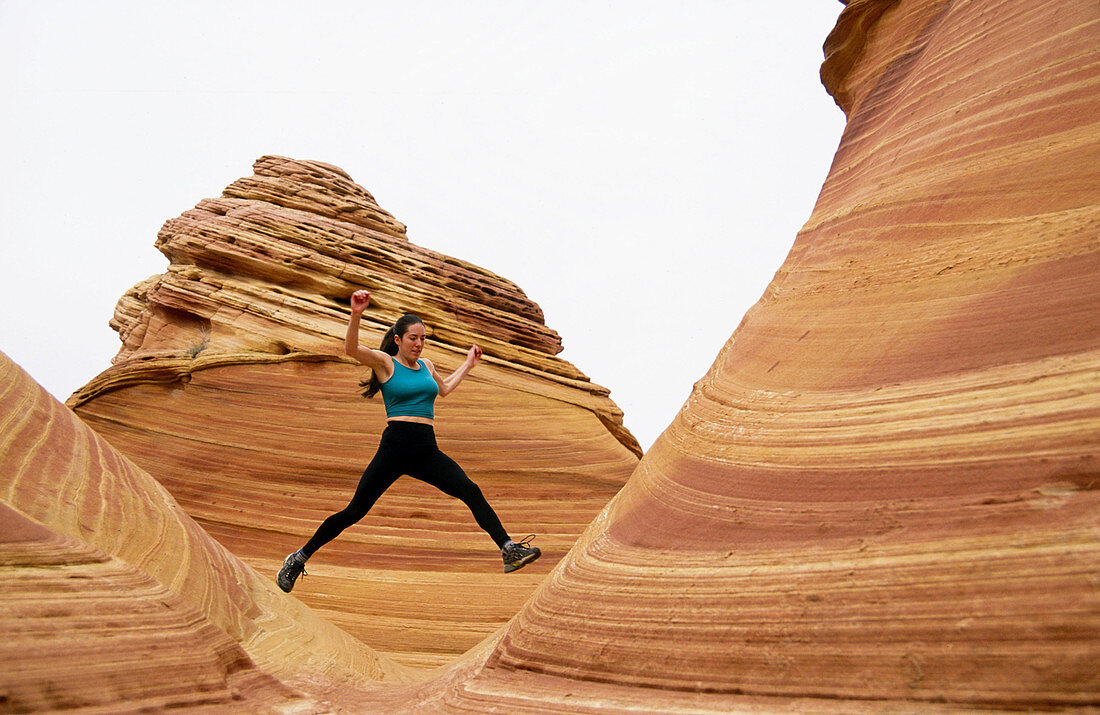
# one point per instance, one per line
(640, 169)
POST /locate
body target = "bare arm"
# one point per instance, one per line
(448, 384)
(374, 359)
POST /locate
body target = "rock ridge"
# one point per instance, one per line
(884, 493)
(881, 497)
(232, 389)
(113, 598)
(268, 268)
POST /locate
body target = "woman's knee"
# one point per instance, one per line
(348, 516)
(471, 493)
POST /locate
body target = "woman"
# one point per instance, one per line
(409, 385)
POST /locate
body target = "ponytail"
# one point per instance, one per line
(372, 385)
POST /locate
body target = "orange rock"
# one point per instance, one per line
(232, 390)
(884, 494)
(112, 598)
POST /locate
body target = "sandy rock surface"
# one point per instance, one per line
(232, 390)
(112, 597)
(882, 497)
(885, 494)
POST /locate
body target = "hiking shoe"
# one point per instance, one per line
(289, 573)
(519, 553)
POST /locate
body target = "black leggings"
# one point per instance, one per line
(408, 448)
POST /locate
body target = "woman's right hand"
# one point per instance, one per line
(360, 299)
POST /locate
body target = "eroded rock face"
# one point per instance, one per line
(887, 488)
(112, 598)
(882, 496)
(232, 390)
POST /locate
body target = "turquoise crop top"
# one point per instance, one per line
(410, 393)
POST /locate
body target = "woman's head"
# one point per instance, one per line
(405, 338)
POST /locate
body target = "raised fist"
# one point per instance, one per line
(360, 299)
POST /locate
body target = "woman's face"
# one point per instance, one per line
(411, 344)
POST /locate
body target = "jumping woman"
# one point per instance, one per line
(409, 385)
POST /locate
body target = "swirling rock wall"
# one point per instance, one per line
(885, 494)
(882, 496)
(232, 390)
(113, 599)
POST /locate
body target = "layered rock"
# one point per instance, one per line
(885, 494)
(232, 390)
(112, 598)
(882, 496)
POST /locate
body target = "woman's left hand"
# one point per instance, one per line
(474, 355)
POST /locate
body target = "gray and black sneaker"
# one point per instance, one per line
(293, 567)
(518, 554)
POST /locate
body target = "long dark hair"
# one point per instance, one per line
(371, 384)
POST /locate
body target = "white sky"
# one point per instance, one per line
(639, 168)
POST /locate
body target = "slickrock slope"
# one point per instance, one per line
(882, 497)
(885, 494)
(111, 597)
(231, 389)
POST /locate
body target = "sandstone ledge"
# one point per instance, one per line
(232, 390)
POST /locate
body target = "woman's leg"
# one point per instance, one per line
(444, 474)
(379, 476)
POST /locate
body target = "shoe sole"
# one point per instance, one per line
(509, 568)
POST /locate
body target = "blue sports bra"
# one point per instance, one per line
(409, 392)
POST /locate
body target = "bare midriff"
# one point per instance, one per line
(407, 418)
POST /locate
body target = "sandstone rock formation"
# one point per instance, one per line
(882, 497)
(884, 494)
(112, 598)
(232, 390)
